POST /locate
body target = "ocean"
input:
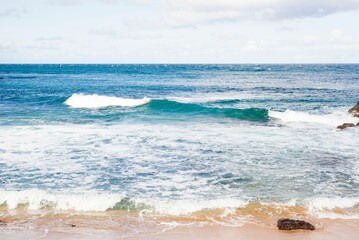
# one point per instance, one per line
(160, 145)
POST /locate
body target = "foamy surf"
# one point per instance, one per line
(333, 119)
(206, 98)
(98, 101)
(35, 199)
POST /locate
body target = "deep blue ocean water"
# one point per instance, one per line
(36, 93)
(180, 138)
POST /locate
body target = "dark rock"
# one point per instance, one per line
(355, 110)
(292, 224)
(2, 223)
(345, 125)
(73, 225)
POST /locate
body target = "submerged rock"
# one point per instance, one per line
(345, 125)
(292, 224)
(2, 223)
(355, 110)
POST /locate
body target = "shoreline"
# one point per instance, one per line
(331, 229)
(20, 224)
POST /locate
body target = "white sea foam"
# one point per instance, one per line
(335, 118)
(203, 99)
(325, 207)
(98, 101)
(163, 164)
(183, 207)
(36, 199)
(332, 203)
(93, 201)
(214, 97)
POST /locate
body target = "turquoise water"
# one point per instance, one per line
(180, 138)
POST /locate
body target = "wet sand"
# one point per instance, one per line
(330, 230)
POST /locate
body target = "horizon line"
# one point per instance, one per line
(163, 63)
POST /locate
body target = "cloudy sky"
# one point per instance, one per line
(179, 31)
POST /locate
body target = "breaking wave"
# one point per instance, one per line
(333, 119)
(155, 106)
(34, 199)
(198, 106)
(97, 101)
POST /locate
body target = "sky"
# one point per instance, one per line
(179, 31)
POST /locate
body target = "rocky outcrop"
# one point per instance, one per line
(354, 110)
(292, 224)
(346, 125)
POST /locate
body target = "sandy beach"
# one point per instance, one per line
(26, 224)
(330, 230)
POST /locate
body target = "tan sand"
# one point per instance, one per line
(330, 230)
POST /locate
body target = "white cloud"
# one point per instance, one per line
(78, 2)
(336, 34)
(109, 1)
(333, 40)
(45, 39)
(287, 25)
(67, 2)
(12, 12)
(311, 40)
(193, 12)
(337, 37)
(179, 31)
(104, 31)
(111, 32)
(7, 47)
(8, 12)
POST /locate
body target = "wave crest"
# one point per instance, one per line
(35, 199)
(97, 101)
(335, 118)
